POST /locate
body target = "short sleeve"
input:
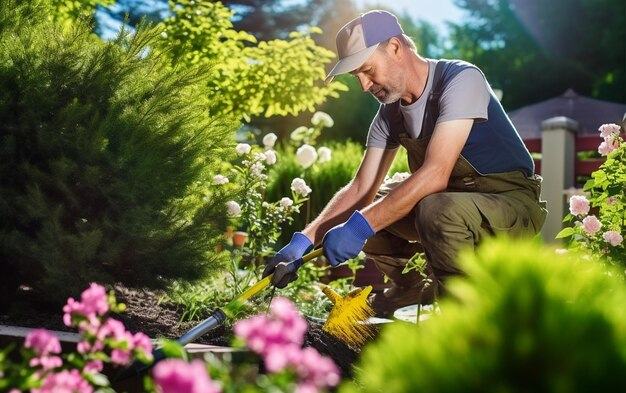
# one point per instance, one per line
(466, 96)
(379, 133)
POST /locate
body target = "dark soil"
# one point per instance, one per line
(145, 314)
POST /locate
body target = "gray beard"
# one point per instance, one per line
(388, 98)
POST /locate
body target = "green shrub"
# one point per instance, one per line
(324, 179)
(276, 77)
(106, 154)
(522, 321)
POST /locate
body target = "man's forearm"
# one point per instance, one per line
(340, 207)
(400, 201)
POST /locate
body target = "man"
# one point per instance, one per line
(472, 176)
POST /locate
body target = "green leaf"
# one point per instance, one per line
(99, 379)
(614, 190)
(589, 185)
(172, 349)
(565, 232)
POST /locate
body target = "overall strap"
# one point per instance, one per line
(431, 113)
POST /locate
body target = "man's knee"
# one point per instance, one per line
(440, 212)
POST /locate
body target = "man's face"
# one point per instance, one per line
(381, 77)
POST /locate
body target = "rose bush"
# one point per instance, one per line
(44, 369)
(599, 216)
(276, 337)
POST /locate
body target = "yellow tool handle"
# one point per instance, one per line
(264, 283)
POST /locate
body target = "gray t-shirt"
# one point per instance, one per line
(493, 145)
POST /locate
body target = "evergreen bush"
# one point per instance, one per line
(106, 158)
(522, 321)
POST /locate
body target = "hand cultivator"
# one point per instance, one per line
(345, 320)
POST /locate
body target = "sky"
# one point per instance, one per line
(436, 12)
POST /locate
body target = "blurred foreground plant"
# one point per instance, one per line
(44, 369)
(525, 321)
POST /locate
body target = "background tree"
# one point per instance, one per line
(68, 11)
(556, 45)
(264, 19)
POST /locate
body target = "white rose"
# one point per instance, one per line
(306, 155)
(286, 202)
(299, 186)
(243, 148)
(270, 157)
(257, 169)
(323, 119)
(233, 208)
(299, 133)
(400, 176)
(323, 154)
(269, 140)
(220, 179)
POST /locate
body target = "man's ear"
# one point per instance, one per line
(394, 47)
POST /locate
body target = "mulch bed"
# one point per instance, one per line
(145, 314)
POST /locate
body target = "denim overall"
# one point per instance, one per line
(473, 206)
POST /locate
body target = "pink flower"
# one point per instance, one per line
(94, 366)
(591, 224)
(606, 130)
(613, 238)
(64, 382)
(93, 303)
(578, 205)
(86, 347)
(611, 201)
(121, 356)
(317, 370)
(142, 342)
(42, 342)
(112, 328)
(293, 325)
(278, 339)
(178, 376)
(611, 143)
(279, 357)
(94, 300)
(46, 362)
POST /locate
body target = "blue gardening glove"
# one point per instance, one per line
(297, 247)
(346, 240)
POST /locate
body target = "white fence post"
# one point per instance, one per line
(558, 160)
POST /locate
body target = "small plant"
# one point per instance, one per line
(261, 219)
(600, 216)
(418, 263)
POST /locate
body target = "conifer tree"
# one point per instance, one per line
(106, 155)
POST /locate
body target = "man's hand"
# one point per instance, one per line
(346, 240)
(297, 247)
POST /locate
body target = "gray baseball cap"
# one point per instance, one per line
(359, 38)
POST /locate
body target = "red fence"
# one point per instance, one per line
(583, 167)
